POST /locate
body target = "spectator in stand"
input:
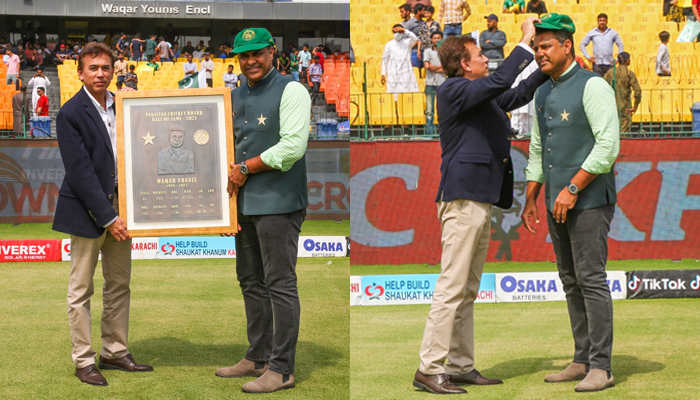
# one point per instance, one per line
(623, 81)
(176, 51)
(22, 57)
(284, 63)
(38, 81)
(304, 58)
(136, 47)
(663, 57)
(433, 26)
(405, 12)
(603, 38)
(47, 55)
(207, 66)
(151, 48)
(188, 48)
(37, 59)
(294, 68)
(190, 67)
(434, 77)
(29, 50)
(327, 50)
(513, 6)
(166, 54)
(315, 74)
(321, 57)
(153, 65)
(420, 29)
(121, 67)
(198, 53)
(132, 79)
(21, 106)
(42, 104)
(492, 40)
(452, 14)
(396, 69)
(230, 79)
(75, 54)
(536, 7)
(13, 68)
(121, 44)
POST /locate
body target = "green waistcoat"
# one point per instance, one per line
(567, 140)
(256, 127)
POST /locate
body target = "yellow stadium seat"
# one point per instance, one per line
(628, 9)
(646, 18)
(381, 108)
(411, 108)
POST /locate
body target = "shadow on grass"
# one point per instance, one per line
(175, 352)
(623, 367)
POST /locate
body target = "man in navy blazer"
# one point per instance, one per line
(87, 210)
(476, 173)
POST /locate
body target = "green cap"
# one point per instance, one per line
(252, 39)
(556, 22)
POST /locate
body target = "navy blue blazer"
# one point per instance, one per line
(474, 130)
(85, 198)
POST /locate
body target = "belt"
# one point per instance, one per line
(457, 24)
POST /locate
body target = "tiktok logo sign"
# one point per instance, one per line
(663, 284)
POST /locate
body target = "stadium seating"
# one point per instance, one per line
(638, 23)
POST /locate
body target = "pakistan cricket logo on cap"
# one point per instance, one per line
(248, 35)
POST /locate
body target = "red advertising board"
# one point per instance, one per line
(394, 215)
(30, 250)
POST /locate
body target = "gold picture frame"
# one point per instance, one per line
(174, 148)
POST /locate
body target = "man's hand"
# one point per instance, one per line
(631, 111)
(398, 29)
(232, 233)
(235, 179)
(118, 230)
(530, 210)
(528, 28)
(383, 80)
(565, 201)
(592, 60)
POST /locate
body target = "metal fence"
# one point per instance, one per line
(666, 109)
(32, 127)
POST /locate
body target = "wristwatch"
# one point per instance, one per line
(573, 189)
(244, 168)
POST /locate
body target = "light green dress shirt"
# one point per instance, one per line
(601, 112)
(294, 128)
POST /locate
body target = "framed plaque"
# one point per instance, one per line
(174, 149)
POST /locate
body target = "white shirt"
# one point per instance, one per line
(190, 66)
(396, 65)
(109, 118)
(198, 53)
(35, 83)
(207, 66)
(304, 57)
(230, 80)
(521, 118)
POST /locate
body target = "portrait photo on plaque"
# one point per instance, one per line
(174, 148)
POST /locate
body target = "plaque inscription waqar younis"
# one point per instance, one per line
(176, 163)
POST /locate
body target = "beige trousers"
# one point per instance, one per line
(448, 340)
(116, 269)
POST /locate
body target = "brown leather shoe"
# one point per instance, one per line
(91, 375)
(125, 363)
(244, 368)
(474, 377)
(436, 384)
(269, 382)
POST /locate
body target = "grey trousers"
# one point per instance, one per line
(266, 259)
(581, 247)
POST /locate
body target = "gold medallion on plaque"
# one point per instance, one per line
(201, 137)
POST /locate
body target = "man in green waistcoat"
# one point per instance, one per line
(271, 129)
(575, 141)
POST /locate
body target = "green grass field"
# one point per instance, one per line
(186, 320)
(656, 351)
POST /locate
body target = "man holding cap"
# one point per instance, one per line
(576, 122)
(271, 129)
(207, 66)
(474, 131)
(623, 81)
(492, 40)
